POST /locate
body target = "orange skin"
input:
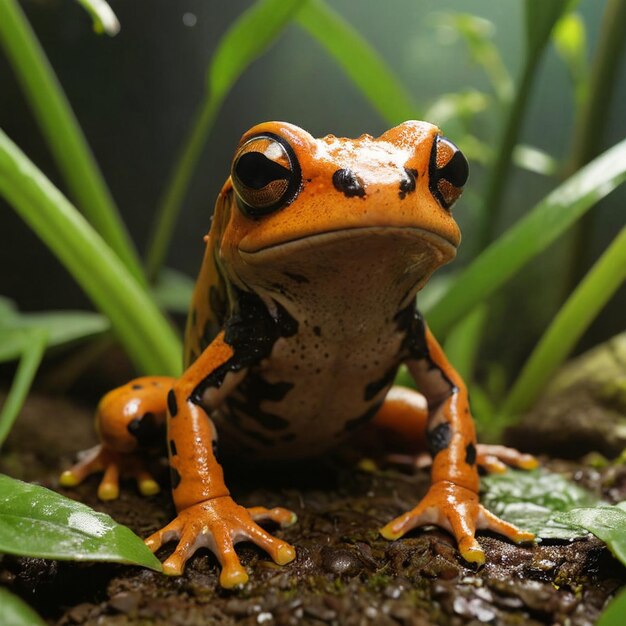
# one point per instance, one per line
(303, 309)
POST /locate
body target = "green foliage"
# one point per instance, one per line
(15, 612)
(613, 615)
(359, 61)
(104, 19)
(148, 338)
(536, 501)
(250, 35)
(41, 523)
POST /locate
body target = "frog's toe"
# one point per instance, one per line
(495, 458)
(489, 521)
(90, 463)
(146, 483)
(280, 551)
(283, 517)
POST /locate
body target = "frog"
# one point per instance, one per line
(302, 313)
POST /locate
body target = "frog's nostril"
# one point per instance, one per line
(448, 171)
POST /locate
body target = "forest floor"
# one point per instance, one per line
(345, 573)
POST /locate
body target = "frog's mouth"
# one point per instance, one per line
(417, 240)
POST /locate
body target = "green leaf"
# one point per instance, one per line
(62, 133)
(534, 500)
(34, 340)
(173, 291)
(61, 327)
(574, 317)
(530, 236)
(462, 105)
(37, 522)
(146, 335)
(246, 40)
(359, 60)
(15, 612)
(541, 17)
(607, 523)
(613, 615)
(104, 19)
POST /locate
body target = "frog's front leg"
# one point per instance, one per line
(452, 500)
(207, 516)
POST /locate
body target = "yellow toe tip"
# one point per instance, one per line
(233, 578)
(170, 569)
(291, 521)
(285, 554)
(149, 487)
(68, 479)
(108, 492)
(368, 465)
(529, 464)
(474, 555)
(524, 537)
(389, 534)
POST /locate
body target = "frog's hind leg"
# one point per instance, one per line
(401, 425)
(130, 420)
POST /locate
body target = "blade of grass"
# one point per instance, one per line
(581, 308)
(35, 342)
(359, 61)
(591, 122)
(613, 615)
(247, 39)
(144, 332)
(62, 132)
(102, 15)
(532, 234)
(541, 16)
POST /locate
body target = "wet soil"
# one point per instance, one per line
(345, 573)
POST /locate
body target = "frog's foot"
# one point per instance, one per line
(494, 459)
(113, 464)
(218, 524)
(457, 510)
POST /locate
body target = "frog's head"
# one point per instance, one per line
(296, 201)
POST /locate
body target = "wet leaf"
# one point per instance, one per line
(534, 500)
(15, 612)
(605, 522)
(35, 521)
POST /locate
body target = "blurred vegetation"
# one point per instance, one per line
(510, 224)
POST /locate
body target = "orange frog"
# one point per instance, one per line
(303, 311)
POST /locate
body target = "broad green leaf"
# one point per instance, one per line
(359, 61)
(15, 612)
(534, 500)
(146, 335)
(63, 134)
(613, 615)
(35, 340)
(245, 41)
(173, 291)
(530, 236)
(574, 317)
(104, 20)
(61, 327)
(606, 522)
(37, 522)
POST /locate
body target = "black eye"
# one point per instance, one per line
(448, 172)
(265, 174)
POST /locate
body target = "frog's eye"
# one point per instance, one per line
(448, 171)
(265, 174)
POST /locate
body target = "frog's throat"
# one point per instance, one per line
(430, 240)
